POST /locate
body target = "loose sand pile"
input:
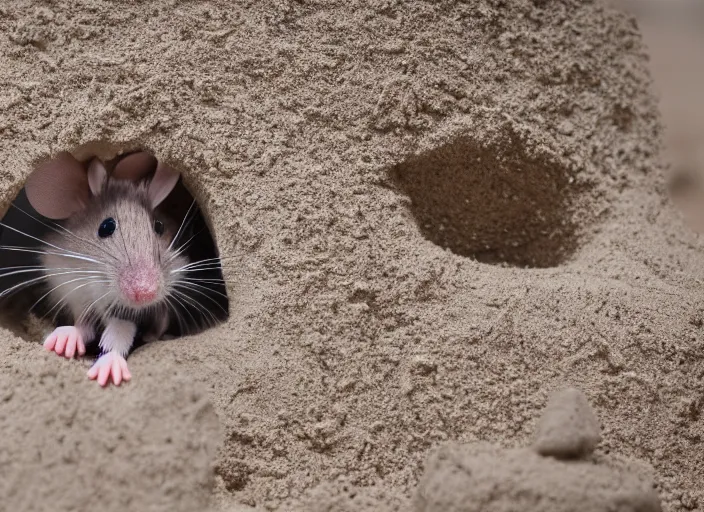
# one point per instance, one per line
(333, 146)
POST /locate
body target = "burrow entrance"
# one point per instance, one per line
(495, 204)
(201, 300)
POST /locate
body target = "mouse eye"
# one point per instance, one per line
(107, 227)
(159, 227)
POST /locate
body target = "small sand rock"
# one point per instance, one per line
(565, 128)
(484, 478)
(423, 365)
(568, 428)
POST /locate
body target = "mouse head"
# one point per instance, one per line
(112, 226)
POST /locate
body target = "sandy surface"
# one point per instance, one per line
(356, 344)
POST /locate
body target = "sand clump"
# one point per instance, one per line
(487, 478)
(370, 321)
(568, 429)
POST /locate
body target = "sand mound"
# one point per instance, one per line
(68, 446)
(485, 478)
(366, 328)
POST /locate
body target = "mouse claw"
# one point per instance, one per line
(110, 365)
(66, 341)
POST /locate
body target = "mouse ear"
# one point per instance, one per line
(135, 166)
(163, 182)
(58, 188)
(96, 176)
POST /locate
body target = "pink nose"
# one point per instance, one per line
(142, 295)
(140, 283)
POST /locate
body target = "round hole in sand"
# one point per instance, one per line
(496, 204)
(198, 302)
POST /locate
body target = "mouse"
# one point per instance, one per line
(113, 264)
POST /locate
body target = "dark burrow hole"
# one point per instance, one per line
(201, 300)
(495, 204)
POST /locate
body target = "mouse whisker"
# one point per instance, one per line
(85, 314)
(58, 228)
(67, 269)
(187, 274)
(90, 280)
(62, 303)
(37, 251)
(191, 274)
(190, 301)
(39, 267)
(183, 225)
(42, 241)
(187, 287)
(201, 268)
(109, 309)
(202, 265)
(216, 259)
(203, 272)
(211, 281)
(63, 299)
(185, 307)
(186, 282)
(210, 263)
(24, 284)
(191, 270)
(169, 304)
(36, 267)
(202, 309)
(183, 247)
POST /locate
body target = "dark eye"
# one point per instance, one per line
(107, 227)
(159, 227)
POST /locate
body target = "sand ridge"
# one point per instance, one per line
(356, 345)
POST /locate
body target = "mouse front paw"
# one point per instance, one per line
(110, 365)
(66, 341)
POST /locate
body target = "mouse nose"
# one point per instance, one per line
(140, 283)
(143, 294)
